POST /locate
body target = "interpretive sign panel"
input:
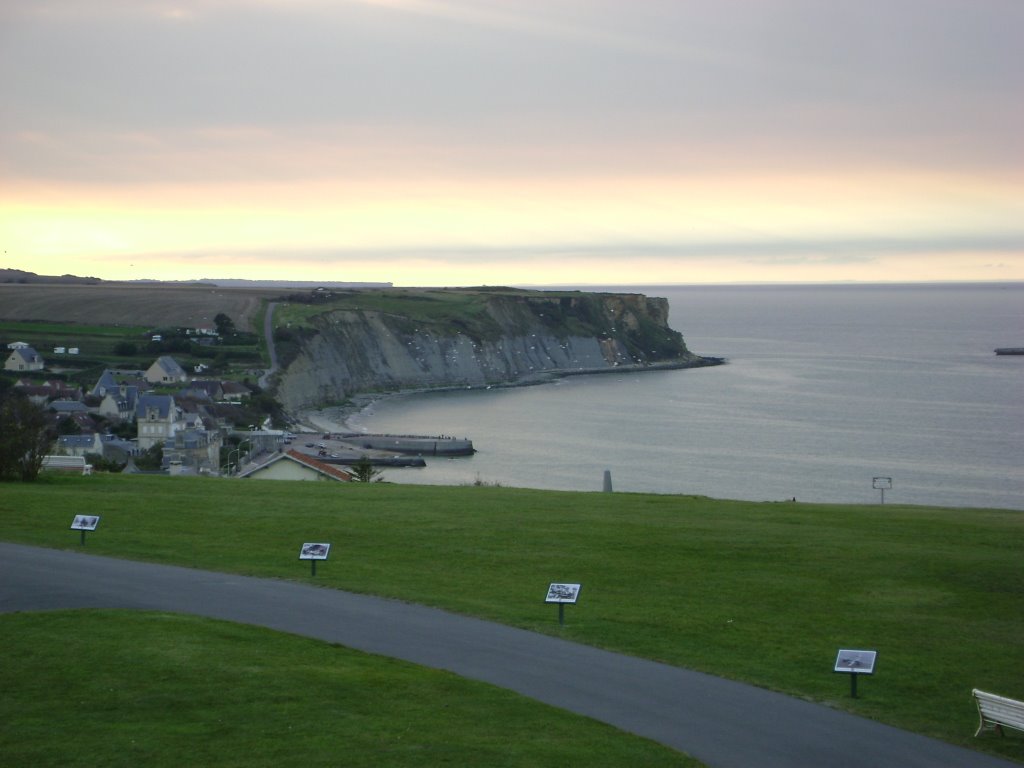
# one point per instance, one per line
(314, 551)
(85, 522)
(856, 662)
(562, 593)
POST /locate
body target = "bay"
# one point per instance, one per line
(826, 387)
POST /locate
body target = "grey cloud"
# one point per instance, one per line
(796, 251)
(925, 83)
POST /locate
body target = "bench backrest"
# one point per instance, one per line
(1000, 709)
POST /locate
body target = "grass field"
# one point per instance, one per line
(153, 689)
(417, 304)
(761, 592)
(95, 344)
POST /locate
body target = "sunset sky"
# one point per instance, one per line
(449, 142)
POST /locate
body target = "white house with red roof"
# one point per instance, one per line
(294, 465)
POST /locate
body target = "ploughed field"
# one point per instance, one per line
(130, 304)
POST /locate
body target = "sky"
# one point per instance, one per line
(514, 142)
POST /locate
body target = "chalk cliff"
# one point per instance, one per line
(496, 337)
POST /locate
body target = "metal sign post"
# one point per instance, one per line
(855, 664)
(85, 523)
(562, 594)
(881, 484)
(314, 551)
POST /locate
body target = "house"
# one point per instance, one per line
(234, 391)
(158, 419)
(111, 379)
(119, 404)
(294, 465)
(40, 394)
(203, 389)
(37, 394)
(165, 371)
(68, 407)
(116, 449)
(79, 445)
(194, 448)
(24, 358)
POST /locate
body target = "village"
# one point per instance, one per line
(164, 420)
(162, 413)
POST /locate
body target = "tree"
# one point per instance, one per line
(225, 325)
(102, 464)
(68, 426)
(364, 472)
(152, 459)
(23, 437)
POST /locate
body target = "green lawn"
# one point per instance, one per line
(64, 330)
(762, 592)
(438, 307)
(96, 345)
(153, 689)
(93, 341)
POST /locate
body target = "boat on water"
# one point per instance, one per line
(1010, 351)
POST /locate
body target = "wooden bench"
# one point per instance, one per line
(995, 712)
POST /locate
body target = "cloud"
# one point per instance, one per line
(674, 130)
(835, 252)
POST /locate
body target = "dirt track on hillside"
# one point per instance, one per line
(132, 304)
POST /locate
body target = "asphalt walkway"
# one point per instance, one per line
(720, 722)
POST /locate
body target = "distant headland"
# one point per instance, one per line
(24, 277)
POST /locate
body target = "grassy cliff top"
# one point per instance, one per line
(761, 592)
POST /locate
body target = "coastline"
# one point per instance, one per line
(335, 418)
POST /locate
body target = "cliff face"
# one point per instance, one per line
(506, 338)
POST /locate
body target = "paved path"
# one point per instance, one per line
(268, 334)
(719, 722)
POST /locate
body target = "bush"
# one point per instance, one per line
(100, 464)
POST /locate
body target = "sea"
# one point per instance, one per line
(830, 393)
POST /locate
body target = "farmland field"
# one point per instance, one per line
(127, 304)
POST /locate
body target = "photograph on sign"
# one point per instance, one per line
(562, 593)
(856, 662)
(85, 522)
(314, 551)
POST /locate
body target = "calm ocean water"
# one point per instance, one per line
(826, 388)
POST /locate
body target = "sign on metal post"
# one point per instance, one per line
(85, 523)
(882, 484)
(562, 594)
(314, 551)
(855, 664)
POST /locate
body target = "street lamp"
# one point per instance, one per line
(238, 452)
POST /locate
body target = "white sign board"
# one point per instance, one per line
(562, 593)
(314, 551)
(85, 522)
(856, 662)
